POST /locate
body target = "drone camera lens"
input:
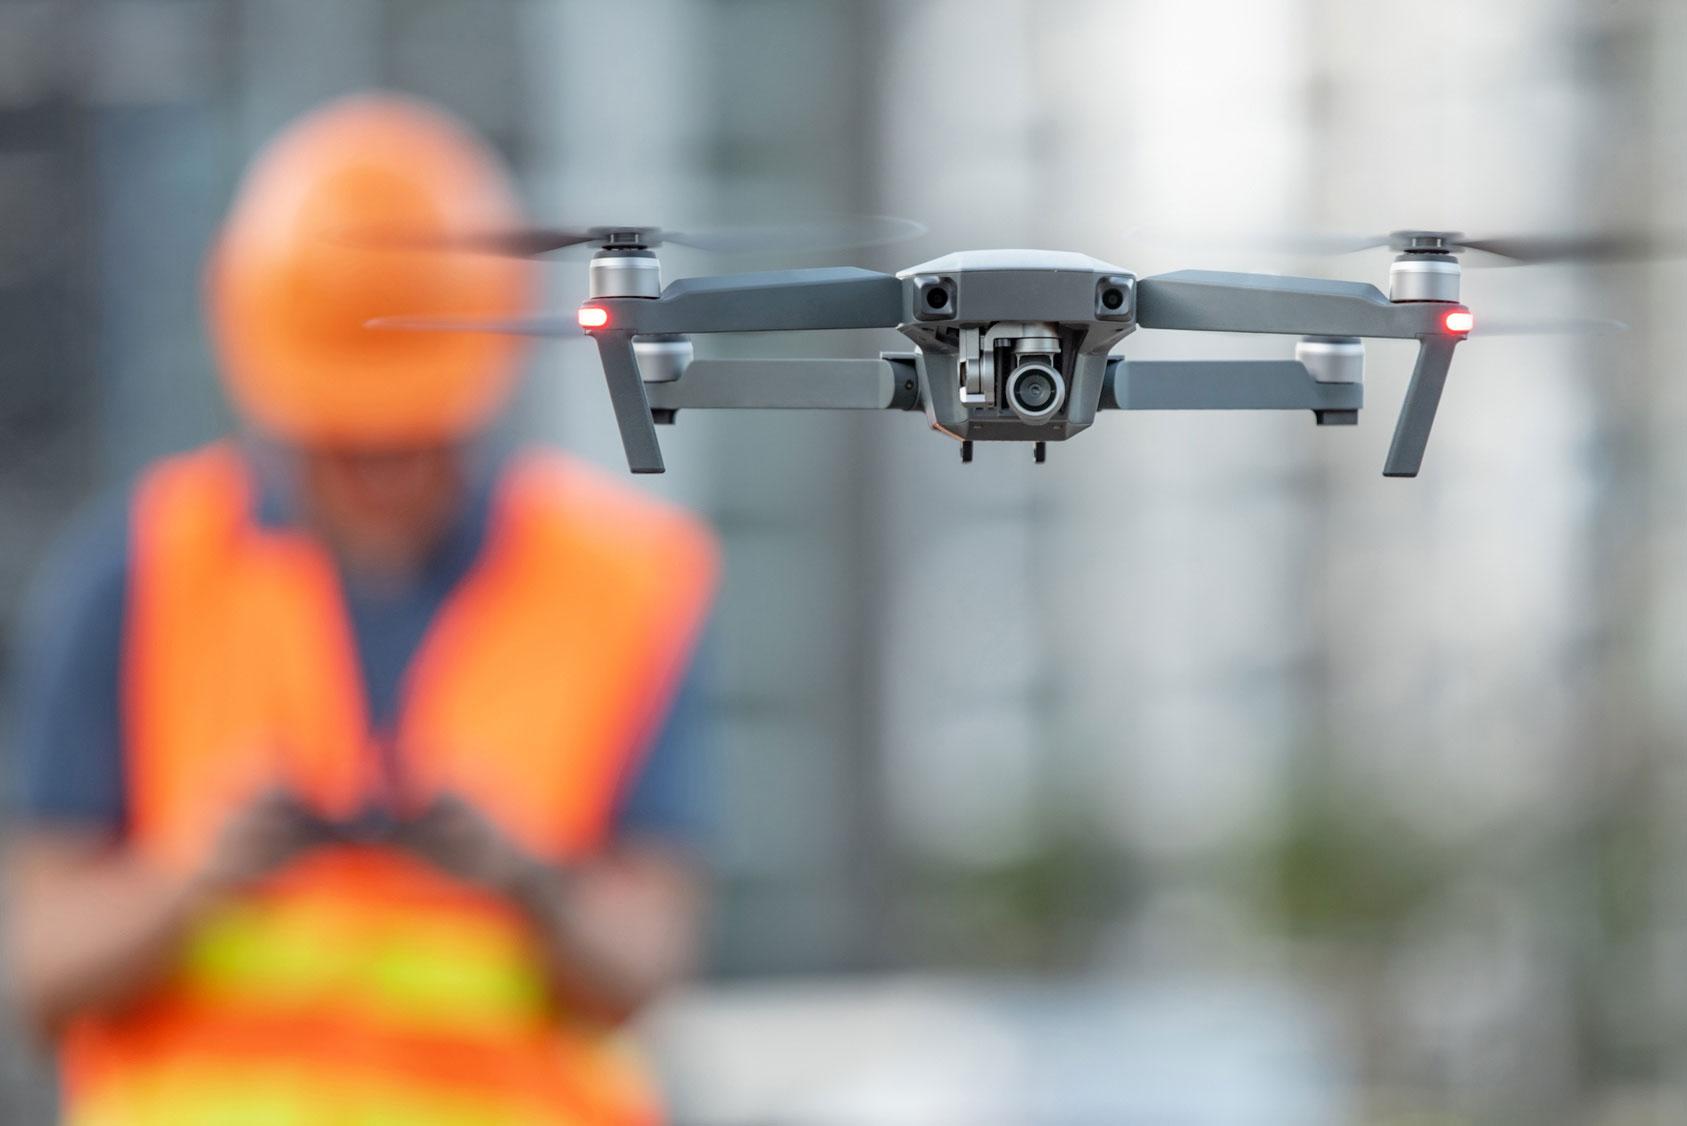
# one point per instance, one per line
(937, 297)
(1112, 298)
(1035, 392)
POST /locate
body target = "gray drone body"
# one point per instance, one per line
(1015, 345)
(1009, 345)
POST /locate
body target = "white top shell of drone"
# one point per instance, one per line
(1011, 260)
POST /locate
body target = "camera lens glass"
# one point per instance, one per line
(937, 297)
(1112, 298)
(1034, 390)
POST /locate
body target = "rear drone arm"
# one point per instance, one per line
(888, 383)
(772, 301)
(1212, 301)
(891, 382)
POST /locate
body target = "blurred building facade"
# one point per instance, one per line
(1237, 708)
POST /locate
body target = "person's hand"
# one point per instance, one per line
(259, 837)
(614, 928)
(461, 841)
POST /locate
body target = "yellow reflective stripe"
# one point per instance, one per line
(429, 970)
(210, 1093)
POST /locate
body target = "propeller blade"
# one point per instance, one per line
(1606, 247)
(1311, 244)
(1568, 326)
(1298, 243)
(520, 326)
(1516, 250)
(1520, 250)
(528, 243)
(841, 233)
(525, 242)
(850, 232)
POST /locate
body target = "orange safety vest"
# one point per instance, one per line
(359, 987)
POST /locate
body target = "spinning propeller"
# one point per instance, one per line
(850, 232)
(1518, 250)
(625, 265)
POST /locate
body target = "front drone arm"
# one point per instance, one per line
(1214, 301)
(770, 301)
(1211, 301)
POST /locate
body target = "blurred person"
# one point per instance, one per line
(356, 752)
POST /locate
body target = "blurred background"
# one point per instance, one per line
(1261, 790)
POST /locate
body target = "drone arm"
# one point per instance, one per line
(887, 383)
(774, 301)
(1226, 385)
(1220, 302)
(1212, 301)
(771, 301)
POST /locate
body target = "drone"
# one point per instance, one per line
(1008, 345)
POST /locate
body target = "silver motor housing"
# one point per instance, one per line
(624, 273)
(1332, 359)
(662, 359)
(1424, 277)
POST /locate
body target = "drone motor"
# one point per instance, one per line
(625, 266)
(1425, 268)
(1332, 359)
(664, 357)
(624, 271)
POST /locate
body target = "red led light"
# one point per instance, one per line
(592, 316)
(1459, 321)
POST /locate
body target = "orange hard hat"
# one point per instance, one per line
(347, 216)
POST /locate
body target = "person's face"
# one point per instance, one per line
(382, 510)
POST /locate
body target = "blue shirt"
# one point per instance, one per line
(67, 732)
